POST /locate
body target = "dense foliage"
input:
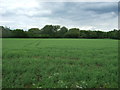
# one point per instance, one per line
(55, 31)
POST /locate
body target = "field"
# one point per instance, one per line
(60, 63)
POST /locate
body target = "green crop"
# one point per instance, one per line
(60, 63)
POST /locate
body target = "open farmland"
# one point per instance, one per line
(60, 63)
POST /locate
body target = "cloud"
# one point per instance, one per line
(84, 15)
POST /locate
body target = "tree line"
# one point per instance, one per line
(55, 31)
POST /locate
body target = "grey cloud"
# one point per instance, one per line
(103, 7)
(72, 14)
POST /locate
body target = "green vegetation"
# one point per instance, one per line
(60, 63)
(55, 31)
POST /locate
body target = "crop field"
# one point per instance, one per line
(59, 63)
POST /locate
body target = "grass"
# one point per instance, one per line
(60, 63)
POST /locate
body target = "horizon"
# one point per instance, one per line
(58, 30)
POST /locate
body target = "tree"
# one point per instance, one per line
(72, 33)
(118, 34)
(62, 32)
(49, 30)
(19, 33)
(0, 31)
(54, 31)
(34, 32)
(83, 34)
(6, 32)
(113, 34)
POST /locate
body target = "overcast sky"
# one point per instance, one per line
(25, 14)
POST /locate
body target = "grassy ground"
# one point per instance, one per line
(60, 63)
